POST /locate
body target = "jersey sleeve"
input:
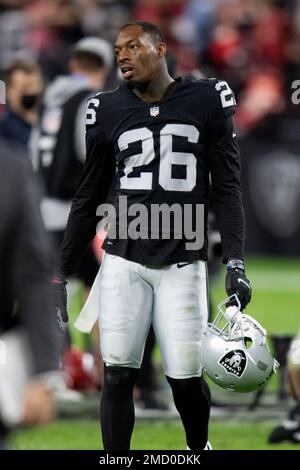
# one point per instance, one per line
(225, 167)
(93, 188)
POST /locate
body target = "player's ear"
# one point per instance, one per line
(161, 50)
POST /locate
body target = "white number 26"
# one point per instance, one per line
(168, 158)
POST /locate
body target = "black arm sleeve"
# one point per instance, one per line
(225, 169)
(93, 189)
(32, 264)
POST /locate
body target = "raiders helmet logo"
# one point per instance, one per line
(234, 362)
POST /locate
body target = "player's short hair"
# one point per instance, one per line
(150, 28)
(27, 66)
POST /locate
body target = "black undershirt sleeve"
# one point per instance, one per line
(225, 166)
(94, 185)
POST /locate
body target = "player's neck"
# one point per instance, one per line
(153, 91)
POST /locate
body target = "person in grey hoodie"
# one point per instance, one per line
(58, 142)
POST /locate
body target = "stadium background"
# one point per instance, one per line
(254, 45)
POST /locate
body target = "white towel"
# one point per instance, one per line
(90, 311)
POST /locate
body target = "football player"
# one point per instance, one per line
(162, 139)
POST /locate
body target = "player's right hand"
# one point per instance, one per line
(59, 285)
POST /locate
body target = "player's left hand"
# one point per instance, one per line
(236, 282)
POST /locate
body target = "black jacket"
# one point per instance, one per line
(25, 259)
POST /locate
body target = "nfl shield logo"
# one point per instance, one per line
(154, 111)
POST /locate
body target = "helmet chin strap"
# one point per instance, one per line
(233, 314)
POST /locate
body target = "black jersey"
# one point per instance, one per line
(160, 153)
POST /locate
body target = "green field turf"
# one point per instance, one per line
(275, 303)
(85, 435)
(276, 293)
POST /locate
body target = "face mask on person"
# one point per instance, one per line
(29, 101)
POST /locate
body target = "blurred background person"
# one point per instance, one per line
(24, 88)
(13, 31)
(29, 335)
(289, 429)
(59, 143)
(51, 29)
(104, 16)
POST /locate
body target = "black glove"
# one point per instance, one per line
(60, 298)
(237, 283)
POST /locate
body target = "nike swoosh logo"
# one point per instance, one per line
(242, 281)
(182, 265)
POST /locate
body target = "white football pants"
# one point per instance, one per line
(173, 298)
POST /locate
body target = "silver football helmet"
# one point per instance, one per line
(234, 350)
